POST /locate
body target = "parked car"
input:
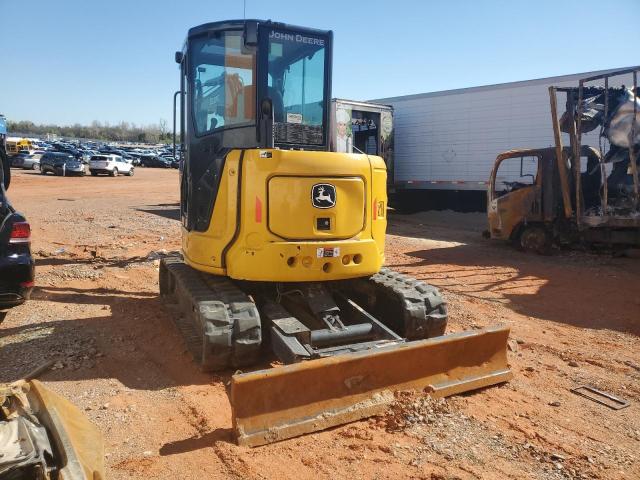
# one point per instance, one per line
(18, 159)
(28, 161)
(60, 164)
(17, 268)
(174, 161)
(116, 151)
(87, 154)
(154, 161)
(110, 165)
(68, 150)
(136, 158)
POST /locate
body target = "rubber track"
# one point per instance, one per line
(411, 307)
(218, 321)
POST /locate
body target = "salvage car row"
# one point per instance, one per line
(61, 163)
(65, 164)
(43, 155)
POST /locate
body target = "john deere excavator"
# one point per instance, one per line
(283, 247)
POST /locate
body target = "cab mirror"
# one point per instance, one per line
(178, 57)
(251, 34)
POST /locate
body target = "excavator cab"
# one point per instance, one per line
(246, 85)
(242, 77)
(283, 246)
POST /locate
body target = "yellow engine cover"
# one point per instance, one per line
(293, 216)
(289, 215)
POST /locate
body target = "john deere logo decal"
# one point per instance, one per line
(323, 195)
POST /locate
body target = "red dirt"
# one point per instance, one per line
(574, 316)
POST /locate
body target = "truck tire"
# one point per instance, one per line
(535, 238)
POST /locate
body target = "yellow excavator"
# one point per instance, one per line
(283, 247)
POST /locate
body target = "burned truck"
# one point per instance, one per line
(574, 194)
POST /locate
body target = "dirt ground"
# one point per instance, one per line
(574, 318)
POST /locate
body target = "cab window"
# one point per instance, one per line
(223, 80)
(515, 173)
(295, 83)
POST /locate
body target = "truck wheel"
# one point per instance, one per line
(536, 239)
(130, 174)
(114, 172)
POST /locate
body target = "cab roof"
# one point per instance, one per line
(205, 27)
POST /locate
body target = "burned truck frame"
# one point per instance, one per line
(562, 200)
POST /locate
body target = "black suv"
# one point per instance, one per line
(17, 268)
(154, 161)
(69, 150)
(60, 164)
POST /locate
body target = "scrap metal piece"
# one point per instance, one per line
(603, 398)
(55, 436)
(284, 402)
(24, 449)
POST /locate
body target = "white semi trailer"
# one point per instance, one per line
(445, 143)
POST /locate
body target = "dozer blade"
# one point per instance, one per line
(285, 402)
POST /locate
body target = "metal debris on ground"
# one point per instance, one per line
(600, 397)
(44, 436)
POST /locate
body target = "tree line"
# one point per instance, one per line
(121, 132)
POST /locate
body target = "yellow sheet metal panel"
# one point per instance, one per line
(305, 261)
(283, 402)
(80, 442)
(379, 205)
(259, 253)
(203, 250)
(292, 214)
(273, 184)
(508, 212)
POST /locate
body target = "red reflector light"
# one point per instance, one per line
(258, 210)
(27, 284)
(20, 232)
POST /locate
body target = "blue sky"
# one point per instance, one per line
(70, 61)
